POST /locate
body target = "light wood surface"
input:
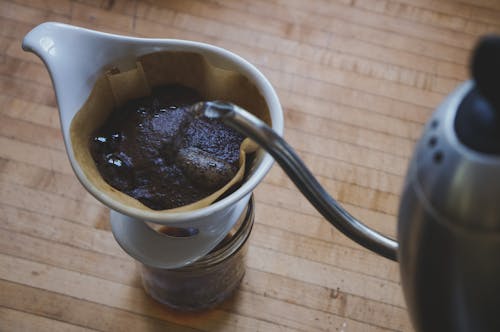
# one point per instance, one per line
(357, 80)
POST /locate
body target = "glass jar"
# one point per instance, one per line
(209, 280)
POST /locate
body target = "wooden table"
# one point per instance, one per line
(357, 80)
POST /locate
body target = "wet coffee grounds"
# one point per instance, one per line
(156, 151)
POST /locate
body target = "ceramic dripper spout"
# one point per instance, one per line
(39, 41)
(57, 45)
(64, 50)
(74, 57)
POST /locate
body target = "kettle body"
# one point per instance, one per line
(449, 229)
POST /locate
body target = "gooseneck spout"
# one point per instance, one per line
(298, 172)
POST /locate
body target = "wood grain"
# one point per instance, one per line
(357, 81)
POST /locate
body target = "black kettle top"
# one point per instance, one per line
(477, 123)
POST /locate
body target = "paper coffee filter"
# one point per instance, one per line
(189, 69)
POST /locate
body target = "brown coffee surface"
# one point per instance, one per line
(156, 151)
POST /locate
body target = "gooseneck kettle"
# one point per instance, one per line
(449, 216)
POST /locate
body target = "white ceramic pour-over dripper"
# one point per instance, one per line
(75, 58)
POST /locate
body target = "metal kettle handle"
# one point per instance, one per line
(287, 158)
